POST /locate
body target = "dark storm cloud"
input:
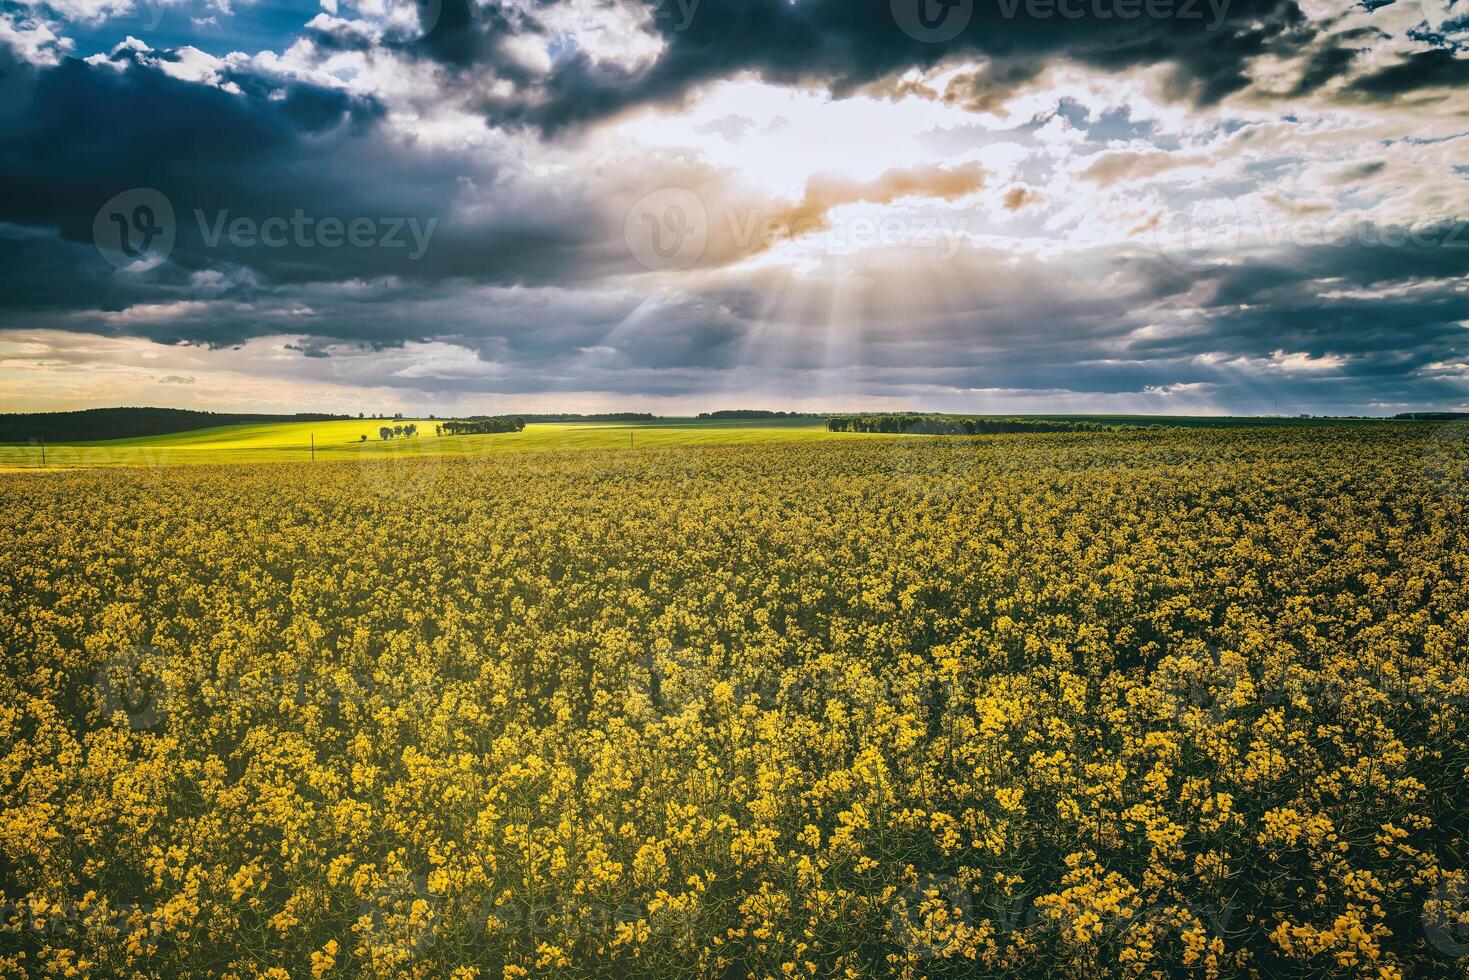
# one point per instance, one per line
(308, 350)
(607, 331)
(463, 35)
(1369, 256)
(88, 132)
(1327, 62)
(1360, 171)
(40, 274)
(1331, 324)
(523, 273)
(845, 44)
(1389, 308)
(1039, 328)
(547, 340)
(268, 151)
(1326, 328)
(1434, 68)
(457, 33)
(16, 76)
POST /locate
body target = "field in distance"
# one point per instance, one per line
(338, 439)
(288, 441)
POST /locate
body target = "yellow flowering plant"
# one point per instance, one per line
(1141, 703)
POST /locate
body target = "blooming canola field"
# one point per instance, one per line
(359, 440)
(1144, 703)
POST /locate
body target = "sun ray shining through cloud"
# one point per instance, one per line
(658, 202)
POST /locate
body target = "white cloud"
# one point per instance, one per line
(34, 40)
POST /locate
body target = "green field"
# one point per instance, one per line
(283, 442)
(1199, 421)
(288, 441)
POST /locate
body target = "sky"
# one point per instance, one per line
(462, 206)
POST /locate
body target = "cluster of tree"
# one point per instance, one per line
(398, 431)
(481, 426)
(1432, 416)
(600, 417)
(955, 425)
(128, 423)
(756, 413)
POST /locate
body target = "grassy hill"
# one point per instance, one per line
(1174, 421)
(124, 423)
(342, 438)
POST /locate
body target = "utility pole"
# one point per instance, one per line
(313, 447)
(43, 450)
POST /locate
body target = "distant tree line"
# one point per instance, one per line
(1432, 416)
(602, 417)
(954, 425)
(129, 423)
(756, 413)
(481, 426)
